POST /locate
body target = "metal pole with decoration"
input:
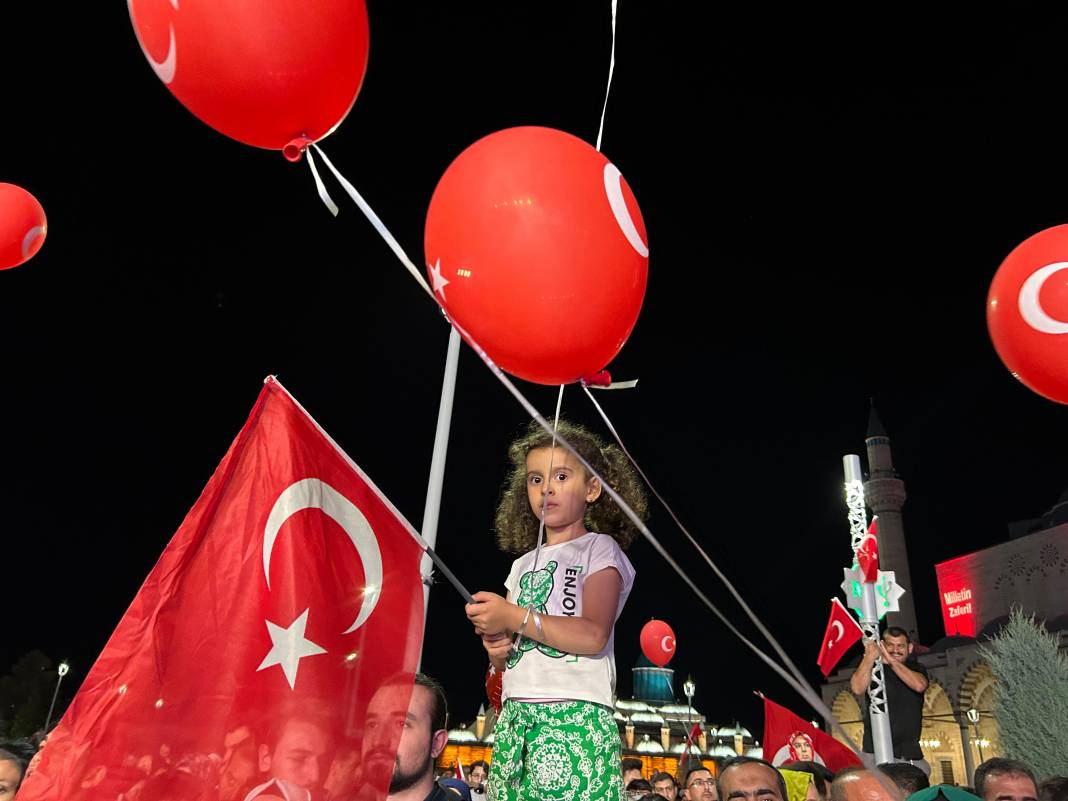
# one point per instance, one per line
(879, 716)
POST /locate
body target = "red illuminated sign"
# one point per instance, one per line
(956, 594)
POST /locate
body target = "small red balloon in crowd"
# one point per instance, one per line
(536, 246)
(1027, 313)
(23, 226)
(658, 642)
(263, 73)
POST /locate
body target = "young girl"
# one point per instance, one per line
(556, 737)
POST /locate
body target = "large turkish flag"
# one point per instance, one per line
(288, 600)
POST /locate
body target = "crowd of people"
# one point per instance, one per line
(550, 639)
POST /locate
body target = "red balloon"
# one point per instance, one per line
(264, 72)
(536, 246)
(1027, 313)
(658, 642)
(23, 226)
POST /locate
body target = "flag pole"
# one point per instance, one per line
(437, 474)
(879, 714)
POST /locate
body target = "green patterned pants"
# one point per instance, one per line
(555, 752)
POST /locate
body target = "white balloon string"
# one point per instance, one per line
(611, 69)
(715, 568)
(323, 194)
(379, 226)
(544, 502)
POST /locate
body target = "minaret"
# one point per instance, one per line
(884, 493)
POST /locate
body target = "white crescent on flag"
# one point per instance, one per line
(311, 493)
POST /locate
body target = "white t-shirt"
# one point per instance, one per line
(555, 588)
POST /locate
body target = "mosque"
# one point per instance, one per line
(977, 592)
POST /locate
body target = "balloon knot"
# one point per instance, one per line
(295, 148)
(601, 379)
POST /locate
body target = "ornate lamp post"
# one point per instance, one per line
(973, 717)
(688, 689)
(62, 670)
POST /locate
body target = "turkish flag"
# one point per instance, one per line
(842, 632)
(285, 611)
(868, 553)
(788, 738)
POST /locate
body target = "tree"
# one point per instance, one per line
(25, 695)
(1031, 694)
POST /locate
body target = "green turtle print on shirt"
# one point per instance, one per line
(535, 587)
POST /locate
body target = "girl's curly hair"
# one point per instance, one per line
(517, 525)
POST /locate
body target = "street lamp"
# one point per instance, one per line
(62, 670)
(688, 689)
(973, 717)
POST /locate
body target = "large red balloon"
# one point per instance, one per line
(536, 246)
(658, 642)
(1027, 312)
(264, 72)
(23, 226)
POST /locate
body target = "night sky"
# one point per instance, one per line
(827, 194)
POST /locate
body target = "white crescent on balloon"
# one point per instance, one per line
(311, 493)
(613, 187)
(31, 237)
(164, 69)
(668, 649)
(1030, 308)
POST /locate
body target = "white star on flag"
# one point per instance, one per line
(439, 281)
(289, 646)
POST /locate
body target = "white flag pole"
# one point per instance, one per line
(437, 463)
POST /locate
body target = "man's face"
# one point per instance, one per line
(899, 648)
(864, 786)
(700, 786)
(751, 781)
(476, 776)
(631, 775)
(1009, 787)
(300, 756)
(665, 788)
(417, 746)
(238, 770)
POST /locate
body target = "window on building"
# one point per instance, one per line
(947, 771)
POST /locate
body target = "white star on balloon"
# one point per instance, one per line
(289, 646)
(887, 591)
(437, 279)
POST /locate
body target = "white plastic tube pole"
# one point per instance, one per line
(437, 462)
(879, 715)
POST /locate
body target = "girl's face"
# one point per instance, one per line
(557, 481)
(10, 776)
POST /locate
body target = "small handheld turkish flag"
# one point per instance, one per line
(868, 553)
(842, 631)
(283, 615)
(788, 738)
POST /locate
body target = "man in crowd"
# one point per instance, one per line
(664, 785)
(632, 769)
(477, 773)
(750, 779)
(857, 784)
(908, 778)
(423, 736)
(294, 747)
(699, 784)
(906, 682)
(1001, 779)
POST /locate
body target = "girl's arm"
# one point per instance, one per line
(587, 634)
